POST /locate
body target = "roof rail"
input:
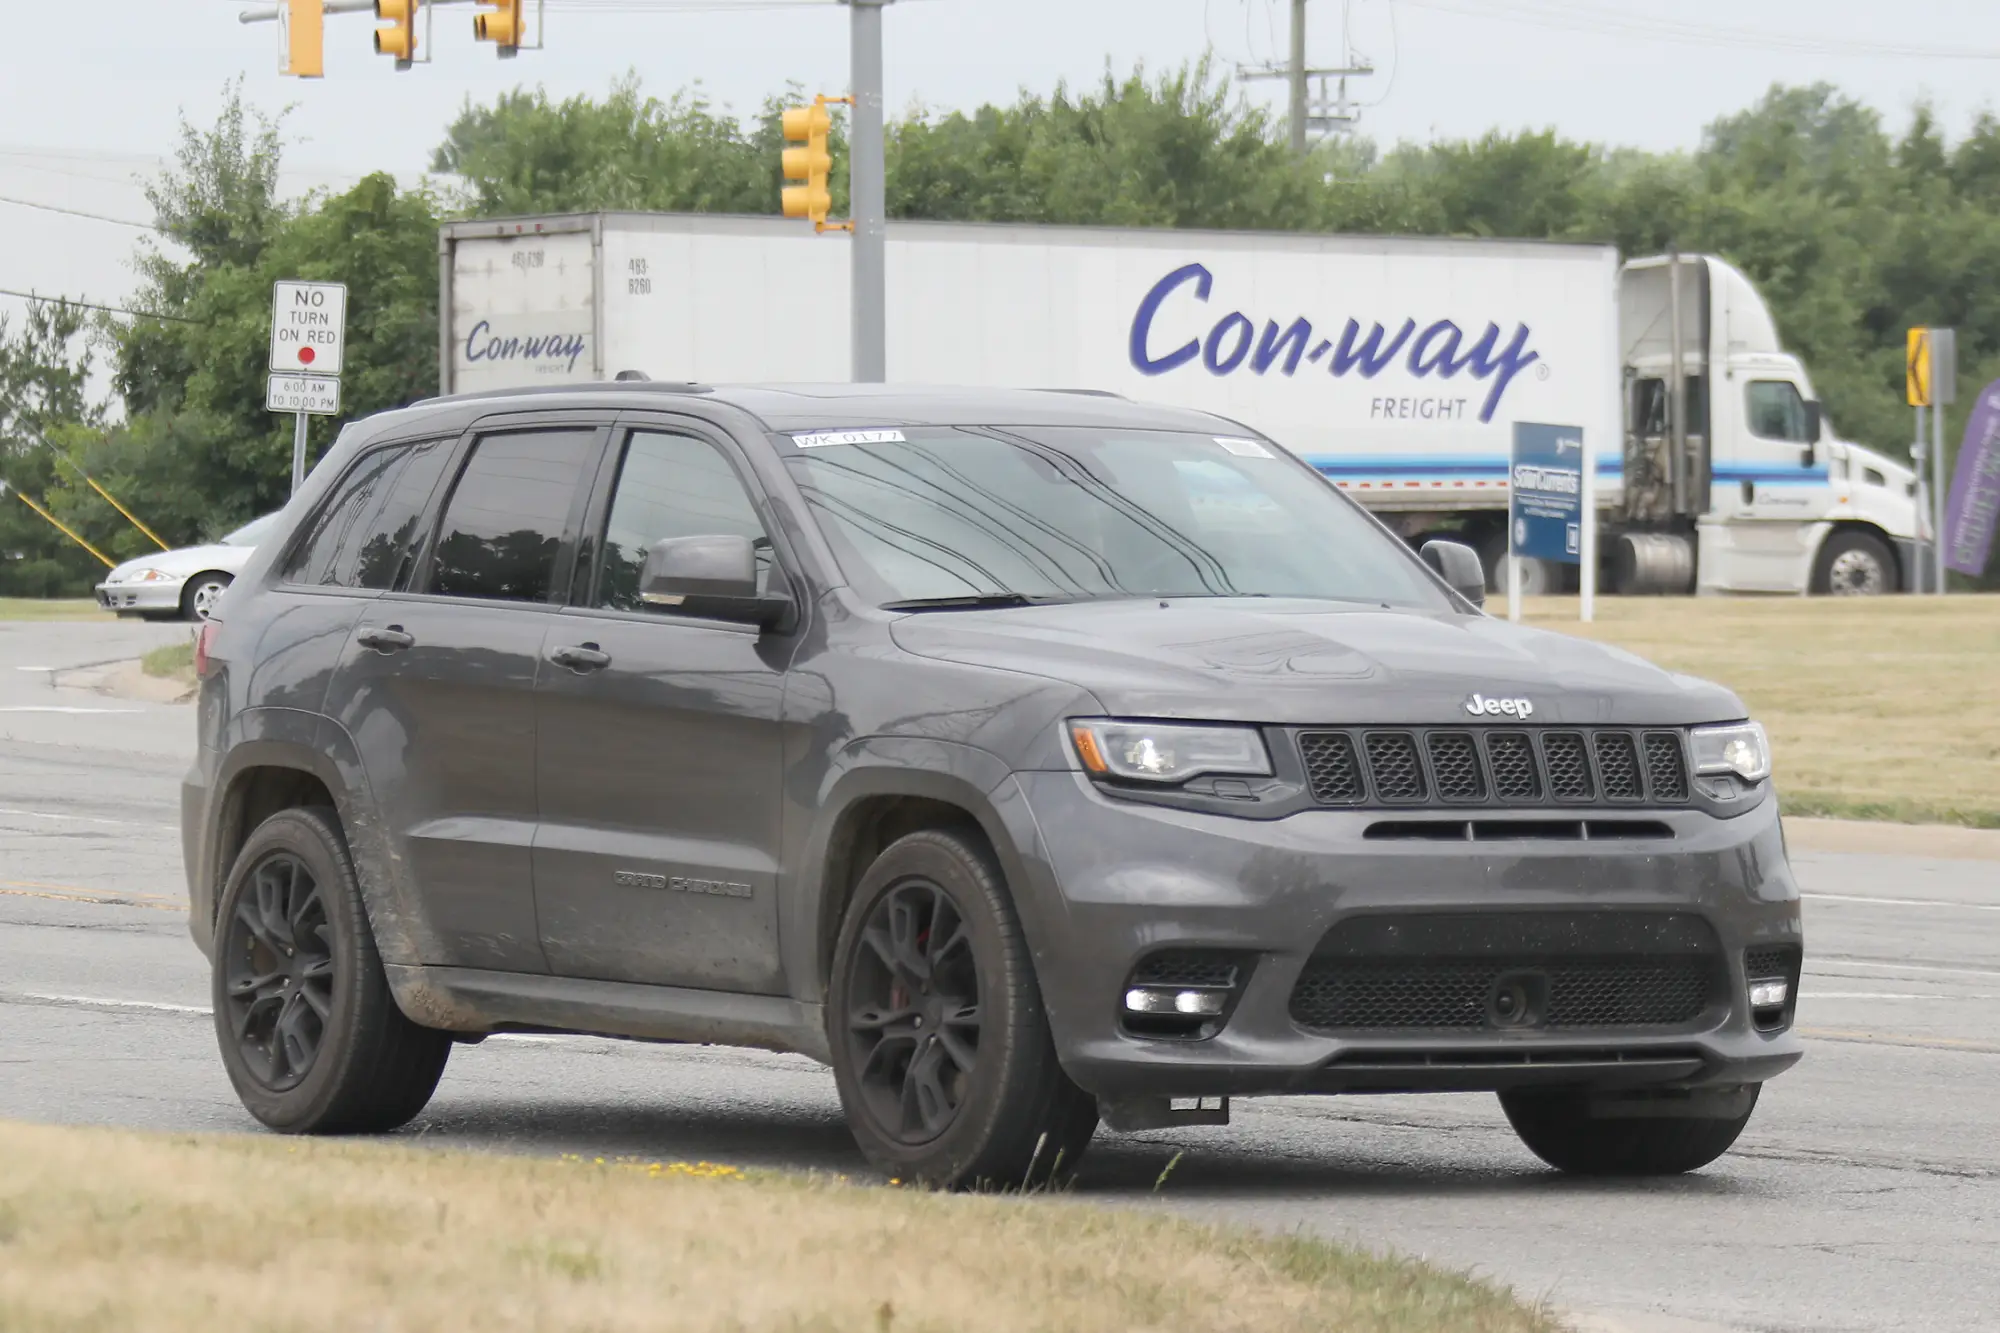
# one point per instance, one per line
(621, 384)
(1088, 393)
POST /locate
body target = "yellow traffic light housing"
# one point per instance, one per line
(500, 22)
(808, 163)
(305, 39)
(398, 34)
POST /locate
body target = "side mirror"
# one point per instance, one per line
(1815, 431)
(1458, 565)
(713, 577)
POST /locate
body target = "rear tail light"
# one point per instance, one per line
(201, 639)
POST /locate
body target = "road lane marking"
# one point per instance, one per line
(1884, 995)
(1893, 1039)
(87, 819)
(59, 708)
(96, 893)
(1836, 960)
(95, 897)
(1902, 902)
(93, 1002)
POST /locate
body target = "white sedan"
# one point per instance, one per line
(186, 583)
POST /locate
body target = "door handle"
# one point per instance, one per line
(581, 657)
(389, 640)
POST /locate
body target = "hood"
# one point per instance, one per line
(1309, 662)
(185, 561)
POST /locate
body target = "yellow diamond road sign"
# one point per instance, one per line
(1919, 363)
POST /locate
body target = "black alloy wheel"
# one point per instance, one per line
(309, 1031)
(277, 961)
(913, 1015)
(941, 1046)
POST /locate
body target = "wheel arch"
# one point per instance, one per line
(882, 790)
(1840, 527)
(290, 758)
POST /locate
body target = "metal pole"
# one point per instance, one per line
(1513, 577)
(1937, 491)
(870, 195)
(1298, 77)
(299, 453)
(1924, 565)
(1677, 443)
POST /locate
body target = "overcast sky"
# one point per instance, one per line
(92, 89)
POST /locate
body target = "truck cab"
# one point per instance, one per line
(1746, 487)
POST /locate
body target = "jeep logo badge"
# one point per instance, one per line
(1481, 706)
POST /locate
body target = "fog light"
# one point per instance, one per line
(1167, 1000)
(1769, 994)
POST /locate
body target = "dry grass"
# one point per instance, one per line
(110, 1230)
(34, 608)
(1878, 708)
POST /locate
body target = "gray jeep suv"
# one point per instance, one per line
(1032, 758)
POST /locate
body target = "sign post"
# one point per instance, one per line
(1545, 506)
(1931, 385)
(308, 352)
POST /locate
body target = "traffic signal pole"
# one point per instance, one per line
(869, 190)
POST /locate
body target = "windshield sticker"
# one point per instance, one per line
(820, 439)
(1243, 448)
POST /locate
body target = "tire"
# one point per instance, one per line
(996, 1110)
(310, 1035)
(1555, 1127)
(199, 597)
(1855, 564)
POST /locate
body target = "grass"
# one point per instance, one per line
(1879, 708)
(34, 608)
(175, 661)
(113, 1230)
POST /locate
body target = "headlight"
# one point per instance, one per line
(1742, 749)
(148, 576)
(1167, 752)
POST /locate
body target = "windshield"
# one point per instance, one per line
(251, 533)
(1076, 513)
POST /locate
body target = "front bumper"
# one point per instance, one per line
(1110, 882)
(156, 598)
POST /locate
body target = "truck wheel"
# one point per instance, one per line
(1854, 564)
(310, 1035)
(1557, 1129)
(941, 1047)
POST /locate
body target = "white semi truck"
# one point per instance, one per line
(1397, 366)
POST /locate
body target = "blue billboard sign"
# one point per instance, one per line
(1545, 513)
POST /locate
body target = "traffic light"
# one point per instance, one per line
(500, 23)
(305, 38)
(398, 35)
(807, 162)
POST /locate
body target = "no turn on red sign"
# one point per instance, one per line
(308, 327)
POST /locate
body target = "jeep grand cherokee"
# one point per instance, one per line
(1034, 759)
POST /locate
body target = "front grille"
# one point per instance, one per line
(1395, 769)
(1571, 970)
(1512, 766)
(1772, 962)
(1331, 768)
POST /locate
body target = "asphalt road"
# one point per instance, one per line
(1864, 1196)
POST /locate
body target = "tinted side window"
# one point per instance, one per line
(669, 486)
(1777, 412)
(360, 540)
(502, 531)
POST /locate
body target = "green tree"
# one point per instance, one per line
(44, 403)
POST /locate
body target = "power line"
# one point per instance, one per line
(1572, 17)
(77, 213)
(90, 305)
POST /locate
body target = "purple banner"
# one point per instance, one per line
(1974, 500)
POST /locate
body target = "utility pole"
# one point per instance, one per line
(869, 190)
(1307, 115)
